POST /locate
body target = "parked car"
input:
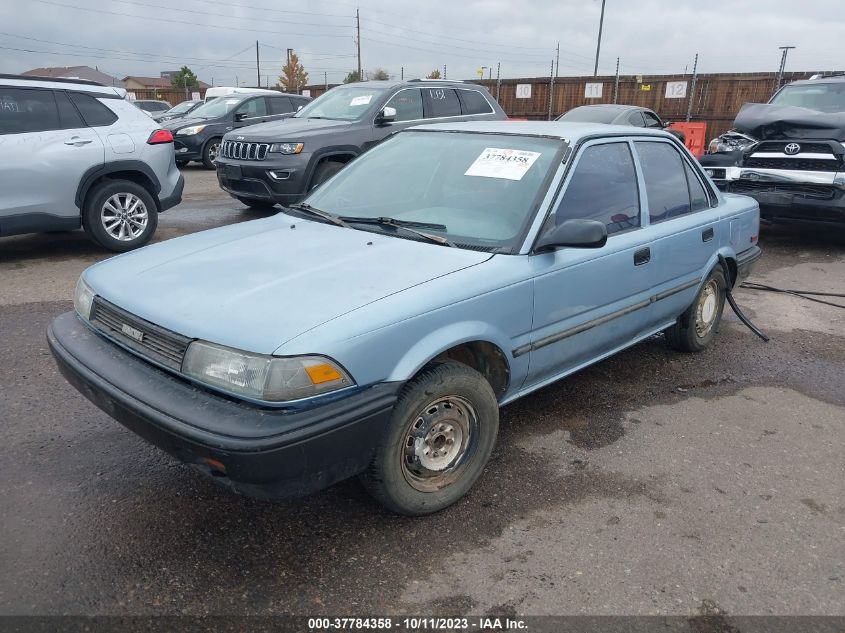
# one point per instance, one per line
(281, 162)
(198, 136)
(377, 327)
(789, 153)
(615, 114)
(151, 106)
(75, 153)
(178, 111)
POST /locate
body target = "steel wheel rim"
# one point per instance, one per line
(438, 442)
(213, 150)
(124, 217)
(707, 308)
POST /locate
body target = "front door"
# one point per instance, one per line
(591, 302)
(408, 104)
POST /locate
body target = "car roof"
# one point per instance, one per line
(830, 79)
(394, 83)
(571, 131)
(60, 83)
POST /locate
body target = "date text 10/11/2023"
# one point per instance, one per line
(417, 624)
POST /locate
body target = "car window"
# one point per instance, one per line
(665, 181)
(474, 102)
(280, 105)
(93, 112)
(441, 102)
(252, 108)
(27, 110)
(651, 120)
(408, 104)
(343, 103)
(68, 115)
(636, 118)
(698, 196)
(603, 187)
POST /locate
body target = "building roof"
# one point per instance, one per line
(158, 82)
(77, 72)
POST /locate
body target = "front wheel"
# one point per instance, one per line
(119, 215)
(441, 434)
(210, 151)
(696, 327)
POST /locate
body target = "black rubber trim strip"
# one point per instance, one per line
(559, 336)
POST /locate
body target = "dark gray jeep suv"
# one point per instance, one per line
(280, 162)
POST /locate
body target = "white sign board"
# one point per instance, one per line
(306, 93)
(510, 164)
(131, 96)
(592, 91)
(523, 91)
(676, 89)
(195, 96)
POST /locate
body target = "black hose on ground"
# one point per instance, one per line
(797, 293)
(729, 296)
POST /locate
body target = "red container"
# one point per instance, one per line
(696, 134)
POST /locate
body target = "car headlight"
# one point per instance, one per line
(261, 377)
(729, 142)
(286, 148)
(190, 131)
(83, 299)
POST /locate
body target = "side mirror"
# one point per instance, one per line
(240, 116)
(575, 233)
(387, 115)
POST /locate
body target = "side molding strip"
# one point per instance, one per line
(559, 336)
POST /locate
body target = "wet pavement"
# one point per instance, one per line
(652, 482)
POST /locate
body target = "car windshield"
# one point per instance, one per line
(483, 188)
(182, 107)
(824, 97)
(345, 103)
(216, 108)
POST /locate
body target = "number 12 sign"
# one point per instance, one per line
(676, 89)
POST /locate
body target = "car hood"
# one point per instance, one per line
(179, 123)
(258, 284)
(766, 122)
(286, 129)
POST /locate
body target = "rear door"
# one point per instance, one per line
(684, 222)
(45, 148)
(278, 106)
(250, 112)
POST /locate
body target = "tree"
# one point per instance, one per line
(379, 74)
(352, 77)
(185, 80)
(293, 74)
(434, 74)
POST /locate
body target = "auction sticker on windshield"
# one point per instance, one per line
(511, 164)
(362, 100)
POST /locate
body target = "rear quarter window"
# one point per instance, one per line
(441, 102)
(94, 112)
(474, 102)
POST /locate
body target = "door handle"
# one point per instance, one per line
(78, 142)
(642, 256)
(707, 234)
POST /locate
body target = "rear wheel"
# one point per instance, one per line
(323, 172)
(696, 327)
(119, 215)
(210, 151)
(442, 431)
(258, 205)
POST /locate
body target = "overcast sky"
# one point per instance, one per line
(216, 38)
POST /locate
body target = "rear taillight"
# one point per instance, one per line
(160, 136)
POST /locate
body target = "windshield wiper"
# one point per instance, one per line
(405, 225)
(317, 213)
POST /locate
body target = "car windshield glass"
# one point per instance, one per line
(182, 107)
(587, 114)
(215, 108)
(822, 97)
(345, 103)
(477, 190)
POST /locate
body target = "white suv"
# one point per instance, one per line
(75, 153)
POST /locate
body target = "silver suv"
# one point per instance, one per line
(75, 153)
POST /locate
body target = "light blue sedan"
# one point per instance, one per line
(376, 329)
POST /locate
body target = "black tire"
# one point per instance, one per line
(94, 218)
(696, 327)
(258, 205)
(447, 415)
(324, 171)
(182, 163)
(209, 152)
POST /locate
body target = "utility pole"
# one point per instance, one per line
(326, 79)
(358, 26)
(257, 66)
(598, 43)
(551, 87)
(498, 79)
(444, 71)
(290, 50)
(692, 87)
(616, 84)
(403, 73)
(785, 50)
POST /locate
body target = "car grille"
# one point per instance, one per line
(806, 148)
(817, 192)
(244, 151)
(801, 164)
(157, 344)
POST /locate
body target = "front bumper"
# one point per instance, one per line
(283, 180)
(188, 147)
(265, 453)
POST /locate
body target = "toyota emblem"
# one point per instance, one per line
(792, 149)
